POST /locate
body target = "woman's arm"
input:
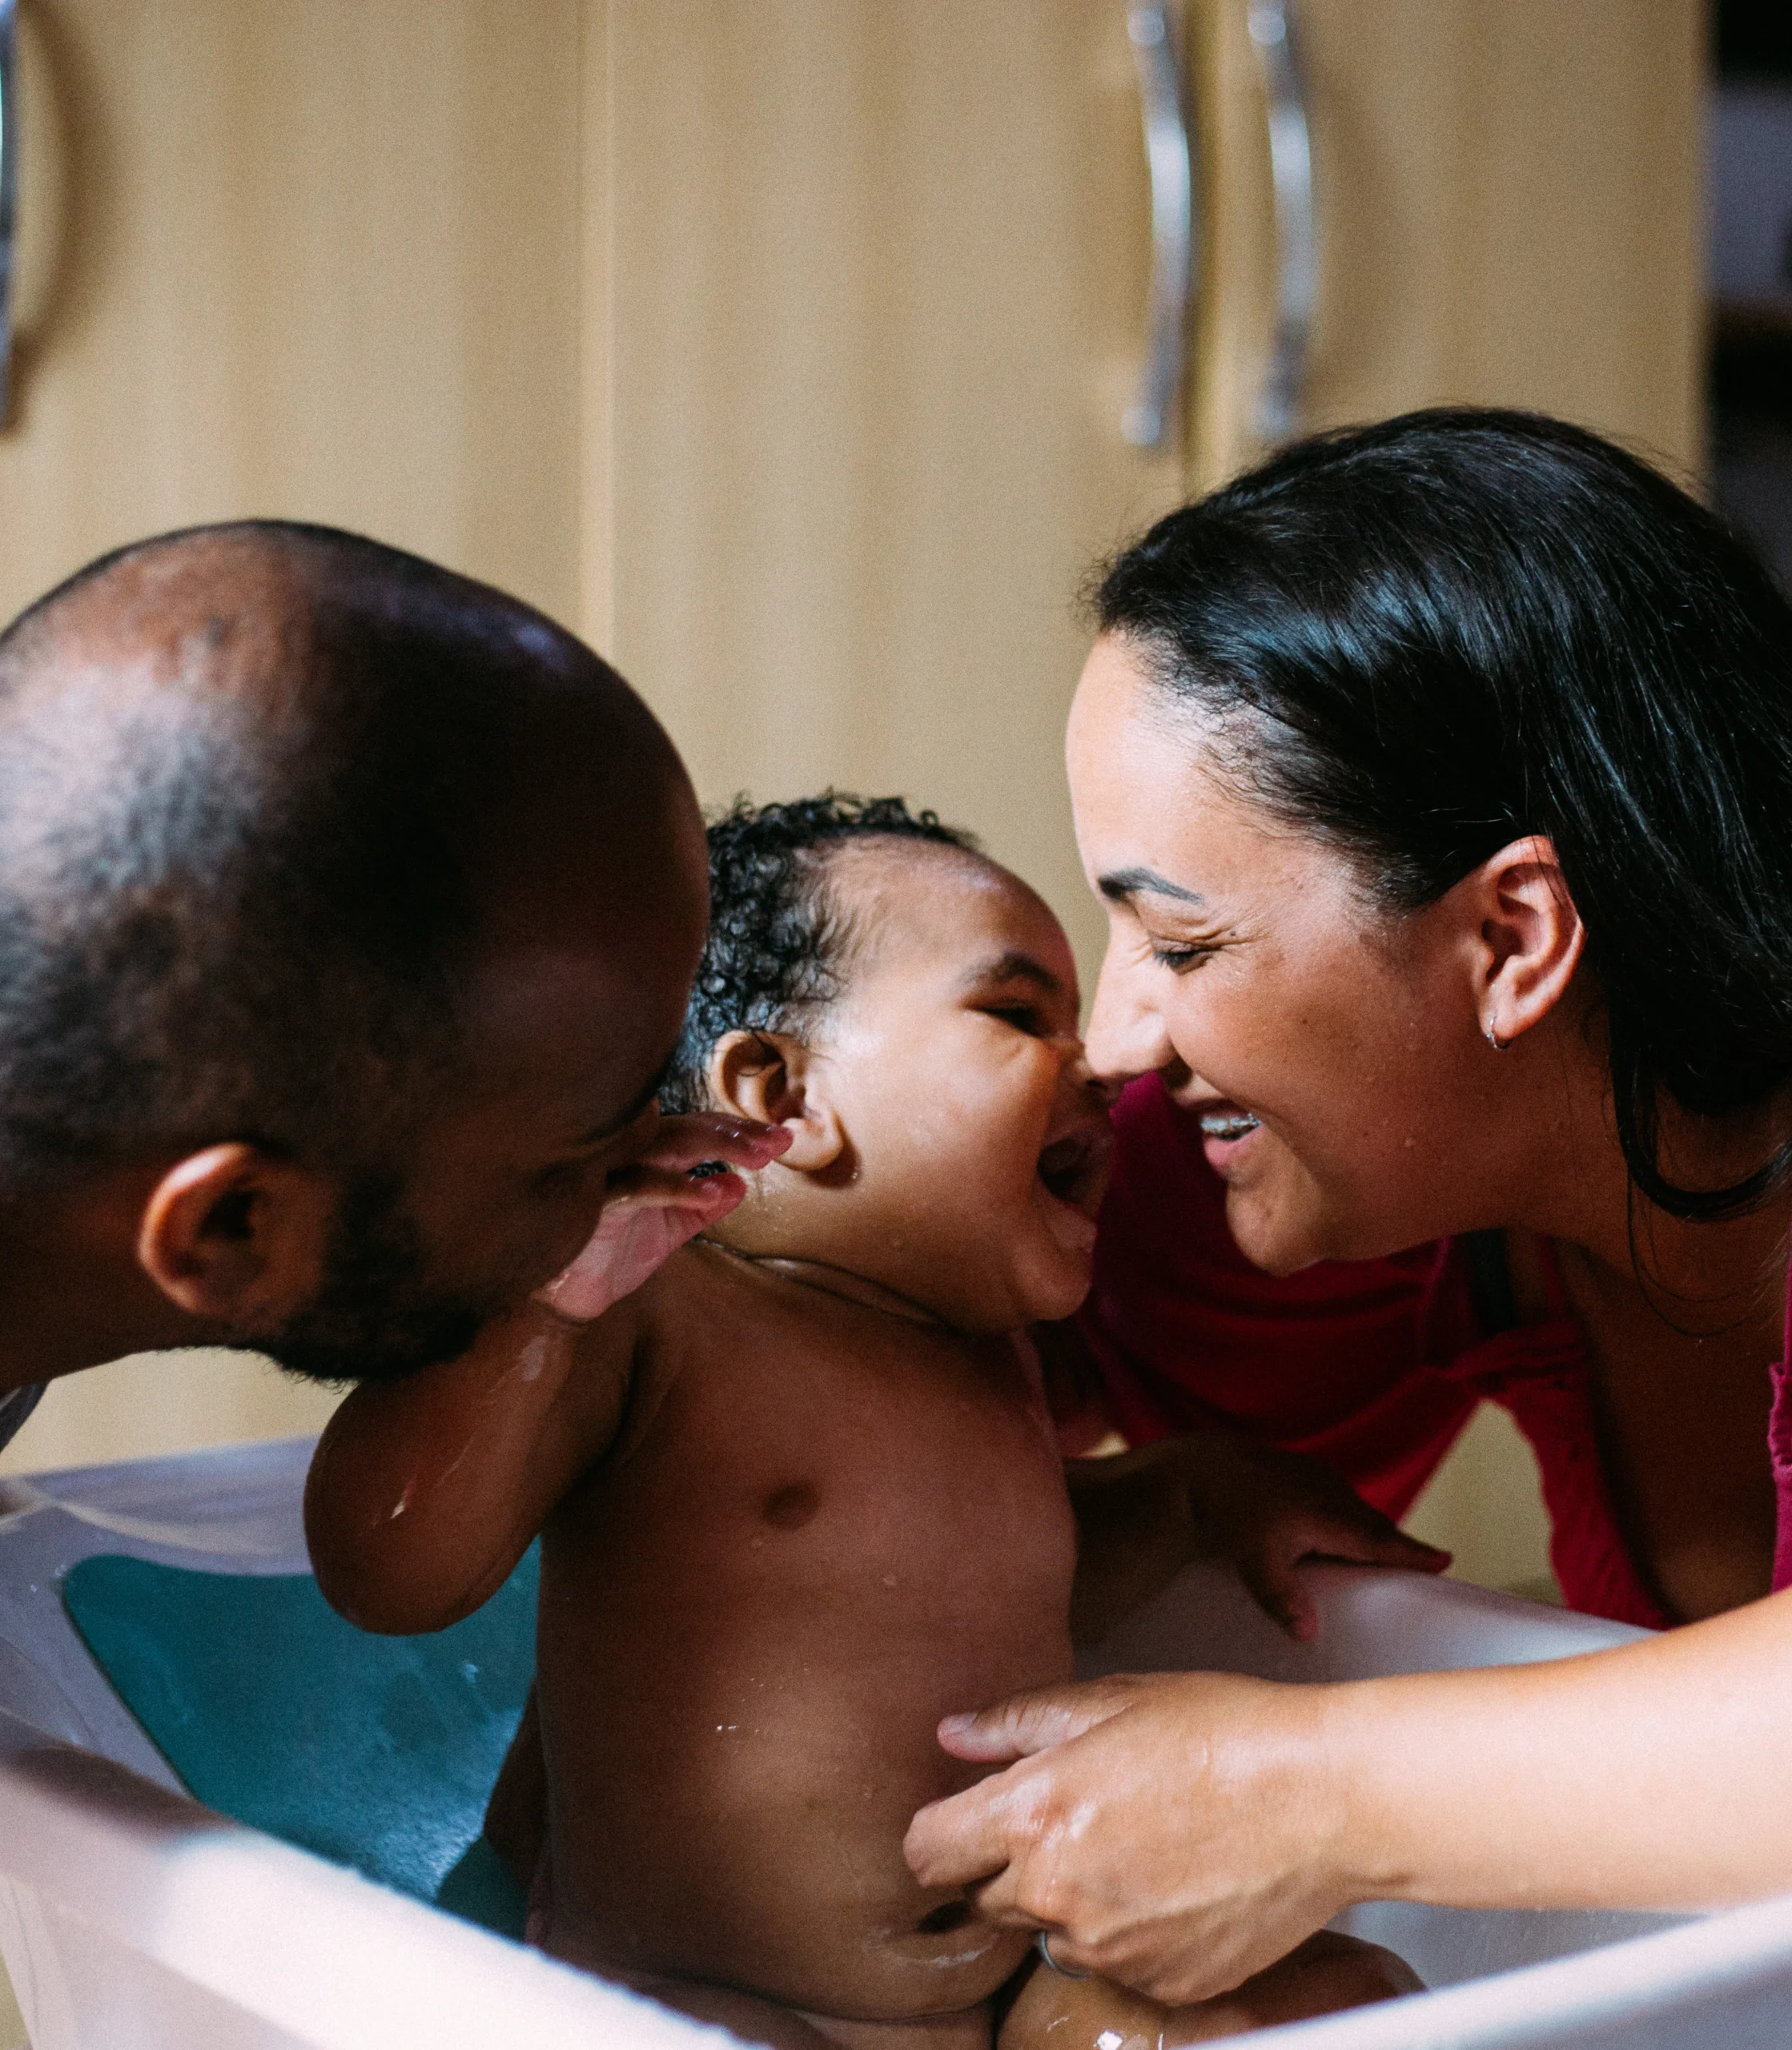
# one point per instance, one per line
(1182, 1830)
(424, 1492)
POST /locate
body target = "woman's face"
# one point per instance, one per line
(1332, 1053)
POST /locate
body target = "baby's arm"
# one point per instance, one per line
(1142, 1515)
(424, 1492)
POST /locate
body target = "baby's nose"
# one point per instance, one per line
(1103, 1090)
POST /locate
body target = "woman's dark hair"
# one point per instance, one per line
(1426, 638)
(777, 946)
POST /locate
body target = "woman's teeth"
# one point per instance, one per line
(1228, 1125)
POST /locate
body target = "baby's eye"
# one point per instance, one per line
(1023, 1017)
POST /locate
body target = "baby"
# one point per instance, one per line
(800, 1494)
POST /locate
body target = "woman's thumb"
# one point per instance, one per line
(1027, 1723)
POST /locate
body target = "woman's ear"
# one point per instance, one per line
(1530, 937)
(237, 1237)
(774, 1078)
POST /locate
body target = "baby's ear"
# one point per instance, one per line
(773, 1079)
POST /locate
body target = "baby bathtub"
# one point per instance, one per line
(132, 1919)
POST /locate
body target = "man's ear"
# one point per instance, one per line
(1530, 937)
(237, 1237)
(774, 1078)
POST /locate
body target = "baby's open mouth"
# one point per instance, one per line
(1075, 1168)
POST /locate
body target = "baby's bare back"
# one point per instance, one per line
(825, 1527)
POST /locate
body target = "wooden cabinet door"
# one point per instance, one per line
(316, 258)
(1509, 211)
(876, 277)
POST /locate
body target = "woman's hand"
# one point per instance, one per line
(1173, 1832)
(1177, 1832)
(655, 1205)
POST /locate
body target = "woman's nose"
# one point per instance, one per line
(1126, 1035)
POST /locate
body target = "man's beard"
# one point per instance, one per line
(374, 1316)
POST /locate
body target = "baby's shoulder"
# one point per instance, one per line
(651, 1331)
(696, 1277)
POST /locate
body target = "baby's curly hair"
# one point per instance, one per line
(773, 956)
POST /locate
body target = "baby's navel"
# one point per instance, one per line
(789, 1509)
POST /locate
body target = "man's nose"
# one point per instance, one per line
(1126, 1036)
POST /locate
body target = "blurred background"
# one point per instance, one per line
(804, 354)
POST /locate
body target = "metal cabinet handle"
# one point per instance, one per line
(9, 192)
(1291, 167)
(1152, 29)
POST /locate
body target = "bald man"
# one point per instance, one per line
(348, 913)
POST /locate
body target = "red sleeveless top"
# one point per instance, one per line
(1373, 1366)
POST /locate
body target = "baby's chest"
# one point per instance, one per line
(806, 1466)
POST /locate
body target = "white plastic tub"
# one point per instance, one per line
(132, 1919)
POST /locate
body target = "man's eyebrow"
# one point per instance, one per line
(609, 1130)
(1014, 966)
(1125, 883)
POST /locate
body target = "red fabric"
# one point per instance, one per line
(1373, 1367)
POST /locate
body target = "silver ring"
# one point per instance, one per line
(1042, 1943)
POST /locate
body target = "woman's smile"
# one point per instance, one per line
(1225, 1129)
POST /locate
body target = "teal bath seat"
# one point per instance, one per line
(378, 1752)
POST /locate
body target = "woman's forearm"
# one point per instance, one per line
(1656, 1776)
(1182, 1830)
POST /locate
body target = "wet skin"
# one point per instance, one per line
(800, 1495)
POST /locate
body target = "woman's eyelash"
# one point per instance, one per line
(1178, 960)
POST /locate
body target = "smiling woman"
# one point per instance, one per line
(1435, 777)
(1425, 945)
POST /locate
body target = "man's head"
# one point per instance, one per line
(347, 909)
(908, 1010)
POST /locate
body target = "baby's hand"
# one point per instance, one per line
(654, 1206)
(1266, 1510)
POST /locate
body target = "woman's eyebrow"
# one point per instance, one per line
(1125, 883)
